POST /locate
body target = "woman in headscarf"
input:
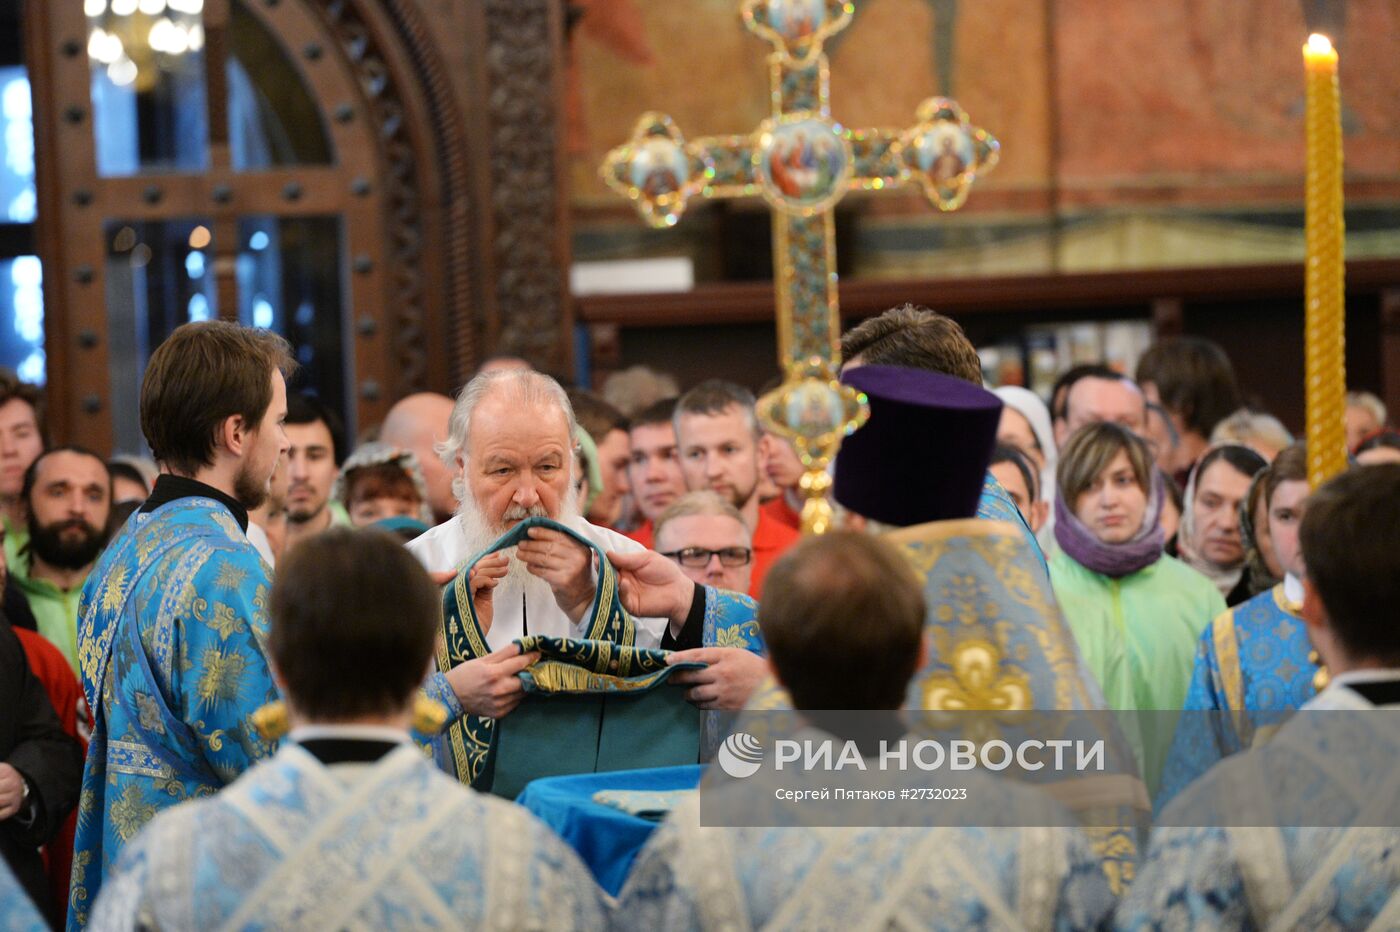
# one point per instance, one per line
(1135, 612)
(1210, 540)
(383, 485)
(1025, 425)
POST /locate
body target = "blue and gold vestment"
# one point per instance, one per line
(1253, 662)
(171, 632)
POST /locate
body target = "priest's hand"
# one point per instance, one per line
(488, 685)
(562, 562)
(483, 579)
(653, 586)
(727, 683)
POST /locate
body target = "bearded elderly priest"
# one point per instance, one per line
(510, 440)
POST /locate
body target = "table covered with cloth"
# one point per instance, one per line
(608, 817)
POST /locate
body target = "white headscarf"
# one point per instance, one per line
(1028, 404)
(1226, 578)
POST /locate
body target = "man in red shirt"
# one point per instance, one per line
(654, 470)
(717, 434)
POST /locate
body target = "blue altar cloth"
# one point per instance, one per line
(606, 838)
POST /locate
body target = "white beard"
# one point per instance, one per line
(481, 533)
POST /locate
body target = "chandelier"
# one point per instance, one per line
(135, 40)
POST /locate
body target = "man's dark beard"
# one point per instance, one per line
(49, 544)
(249, 492)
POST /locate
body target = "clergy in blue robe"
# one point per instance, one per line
(171, 620)
(1298, 833)
(917, 338)
(998, 641)
(844, 619)
(1255, 661)
(176, 607)
(1301, 831)
(172, 625)
(349, 825)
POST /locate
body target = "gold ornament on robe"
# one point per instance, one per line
(272, 722)
(1321, 678)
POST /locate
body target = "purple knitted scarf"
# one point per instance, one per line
(1142, 550)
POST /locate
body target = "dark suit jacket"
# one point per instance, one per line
(33, 742)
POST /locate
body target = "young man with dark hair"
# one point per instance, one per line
(316, 448)
(172, 620)
(22, 439)
(349, 826)
(718, 436)
(844, 623)
(1300, 831)
(608, 428)
(654, 469)
(1192, 378)
(68, 497)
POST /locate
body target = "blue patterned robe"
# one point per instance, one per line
(397, 844)
(17, 913)
(690, 877)
(171, 632)
(998, 642)
(1252, 661)
(996, 505)
(1217, 861)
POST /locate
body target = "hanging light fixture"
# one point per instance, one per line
(134, 40)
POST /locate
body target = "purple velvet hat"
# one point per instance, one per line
(922, 456)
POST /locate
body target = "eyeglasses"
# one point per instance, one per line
(699, 557)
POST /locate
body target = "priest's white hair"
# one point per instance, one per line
(527, 387)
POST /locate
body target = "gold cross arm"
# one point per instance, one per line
(800, 161)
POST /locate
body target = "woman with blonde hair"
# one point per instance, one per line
(1135, 612)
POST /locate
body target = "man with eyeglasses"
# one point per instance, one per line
(708, 538)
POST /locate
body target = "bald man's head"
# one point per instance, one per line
(418, 423)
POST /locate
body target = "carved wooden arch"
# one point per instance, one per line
(430, 217)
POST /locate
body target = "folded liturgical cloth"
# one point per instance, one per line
(644, 804)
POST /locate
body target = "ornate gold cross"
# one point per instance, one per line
(802, 163)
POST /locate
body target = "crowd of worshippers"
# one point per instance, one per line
(155, 608)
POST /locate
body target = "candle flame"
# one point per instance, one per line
(1319, 43)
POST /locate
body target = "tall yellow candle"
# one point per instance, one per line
(1324, 290)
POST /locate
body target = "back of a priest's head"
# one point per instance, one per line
(1350, 538)
(914, 338)
(843, 618)
(354, 621)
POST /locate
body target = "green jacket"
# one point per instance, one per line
(55, 611)
(1138, 635)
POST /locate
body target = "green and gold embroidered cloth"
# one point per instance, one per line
(591, 704)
